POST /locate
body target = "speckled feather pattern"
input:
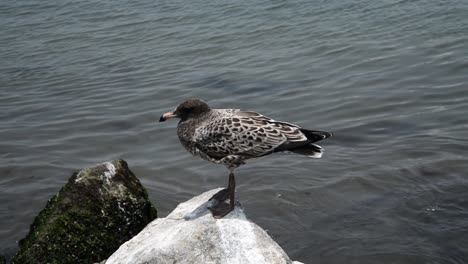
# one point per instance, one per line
(231, 136)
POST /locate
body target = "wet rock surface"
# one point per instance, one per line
(97, 210)
(191, 235)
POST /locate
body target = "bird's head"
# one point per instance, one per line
(188, 109)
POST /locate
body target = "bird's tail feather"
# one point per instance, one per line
(310, 150)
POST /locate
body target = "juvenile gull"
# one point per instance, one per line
(232, 136)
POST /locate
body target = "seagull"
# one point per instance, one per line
(230, 137)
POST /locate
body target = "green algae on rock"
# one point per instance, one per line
(92, 215)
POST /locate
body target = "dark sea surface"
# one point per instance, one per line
(83, 82)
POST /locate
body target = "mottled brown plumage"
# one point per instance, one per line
(232, 136)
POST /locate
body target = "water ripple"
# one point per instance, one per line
(84, 82)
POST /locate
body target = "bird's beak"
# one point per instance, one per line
(166, 116)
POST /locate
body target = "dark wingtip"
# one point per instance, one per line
(162, 119)
(327, 135)
(315, 135)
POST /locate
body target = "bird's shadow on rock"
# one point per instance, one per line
(200, 211)
(203, 210)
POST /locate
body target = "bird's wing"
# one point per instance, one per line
(248, 134)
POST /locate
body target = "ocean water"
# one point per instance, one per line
(83, 82)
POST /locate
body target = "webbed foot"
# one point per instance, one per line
(220, 210)
(220, 196)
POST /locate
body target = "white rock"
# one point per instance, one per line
(191, 235)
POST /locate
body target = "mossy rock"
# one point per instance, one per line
(92, 215)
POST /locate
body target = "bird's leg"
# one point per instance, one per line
(220, 196)
(221, 209)
(232, 190)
